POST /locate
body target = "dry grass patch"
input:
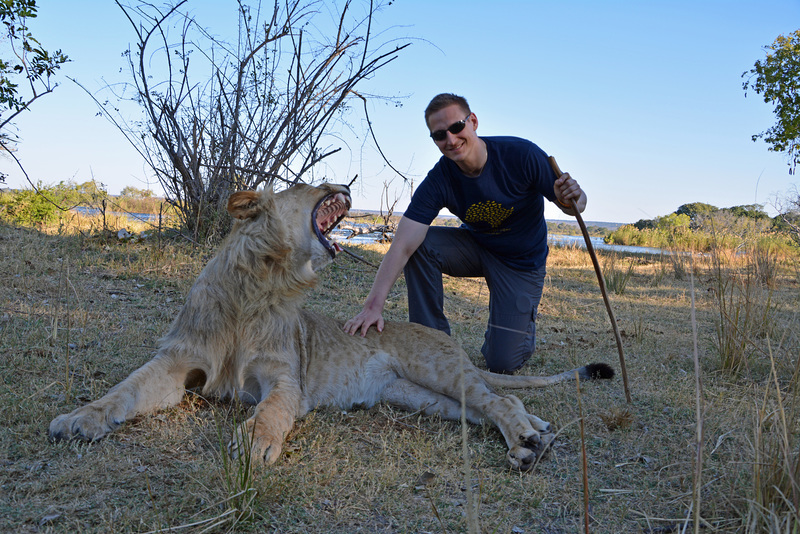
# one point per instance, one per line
(79, 313)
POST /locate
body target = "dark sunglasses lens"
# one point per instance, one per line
(456, 127)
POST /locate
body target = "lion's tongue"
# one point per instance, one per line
(326, 223)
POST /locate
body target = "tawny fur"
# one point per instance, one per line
(243, 332)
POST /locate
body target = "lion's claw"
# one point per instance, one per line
(531, 448)
(84, 423)
(261, 448)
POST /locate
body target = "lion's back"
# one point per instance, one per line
(344, 370)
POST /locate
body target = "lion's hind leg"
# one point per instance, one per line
(527, 436)
(157, 384)
(437, 363)
(412, 397)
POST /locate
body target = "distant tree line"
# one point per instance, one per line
(567, 228)
(699, 226)
(44, 204)
(696, 212)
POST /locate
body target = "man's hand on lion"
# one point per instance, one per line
(363, 321)
(407, 239)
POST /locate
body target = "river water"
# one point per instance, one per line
(552, 240)
(597, 243)
(144, 217)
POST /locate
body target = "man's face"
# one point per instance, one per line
(458, 147)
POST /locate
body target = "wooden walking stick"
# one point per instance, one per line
(602, 283)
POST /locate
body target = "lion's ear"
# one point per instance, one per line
(243, 204)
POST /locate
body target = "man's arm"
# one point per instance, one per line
(407, 239)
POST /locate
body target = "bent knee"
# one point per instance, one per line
(507, 362)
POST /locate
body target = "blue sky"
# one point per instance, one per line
(641, 102)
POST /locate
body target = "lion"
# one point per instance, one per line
(243, 333)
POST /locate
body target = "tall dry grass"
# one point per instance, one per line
(774, 505)
(745, 305)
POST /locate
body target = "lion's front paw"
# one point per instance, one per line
(89, 423)
(250, 437)
(531, 447)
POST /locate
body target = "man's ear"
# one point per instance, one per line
(244, 204)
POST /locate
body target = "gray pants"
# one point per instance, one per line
(514, 295)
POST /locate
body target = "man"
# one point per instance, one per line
(497, 187)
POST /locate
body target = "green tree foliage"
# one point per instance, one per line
(644, 224)
(28, 63)
(91, 192)
(27, 207)
(26, 67)
(133, 192)
(777, 79)
(695, 209)
(699, 226)
(44, 203)
(673, 222)
(677, 228)
(669, 222)
(750, 211)
(40, 205)
(570, 228)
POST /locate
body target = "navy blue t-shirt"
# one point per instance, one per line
(503, 208)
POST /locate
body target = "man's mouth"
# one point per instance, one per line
(326, 215)
(455, 148)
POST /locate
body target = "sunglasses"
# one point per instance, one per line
(456, 127)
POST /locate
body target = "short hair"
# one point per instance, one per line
(443, 100)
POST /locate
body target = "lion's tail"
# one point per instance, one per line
(587, 372)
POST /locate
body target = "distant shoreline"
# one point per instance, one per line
(601, 224)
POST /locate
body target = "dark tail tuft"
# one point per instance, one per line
(599, 370)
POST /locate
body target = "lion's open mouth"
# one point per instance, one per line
(326, 215)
